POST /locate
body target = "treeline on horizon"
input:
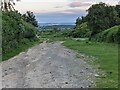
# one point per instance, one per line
(102, 23)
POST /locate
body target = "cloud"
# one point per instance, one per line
(68, 15)
(64, 13)
(119, 3)
(79, 4)
(75, 12)
(44, 0)
(67, 12)
(58, 6)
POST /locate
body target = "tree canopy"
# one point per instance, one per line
(100, 17)
(7, 5)
(30, 18)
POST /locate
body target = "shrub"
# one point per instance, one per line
(15, 30)
(80, 31)
(109, 35)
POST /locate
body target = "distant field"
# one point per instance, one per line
(106, 57)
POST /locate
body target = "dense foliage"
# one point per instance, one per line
(118, 10)
(99, 18)
(109, 35)
(16, 31)
(30, 18)
(82, 30)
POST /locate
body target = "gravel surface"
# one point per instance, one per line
(48, 65)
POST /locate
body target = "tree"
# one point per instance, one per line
(78, 22)
(83, 30)
(118, 10)
(30, 17)
(100, 17)
(15, 31)
(8, 5)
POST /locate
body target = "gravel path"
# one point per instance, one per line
(48, 65)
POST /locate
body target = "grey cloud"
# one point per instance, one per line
(119, 2)
(58, 6)
(79, 4)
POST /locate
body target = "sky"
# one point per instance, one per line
(58, 11)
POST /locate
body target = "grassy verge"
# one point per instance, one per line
(20, 48)
(107, 58)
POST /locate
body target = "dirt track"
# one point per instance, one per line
(48, 65)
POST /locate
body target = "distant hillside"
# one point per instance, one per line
(58, 27)
(51, 24)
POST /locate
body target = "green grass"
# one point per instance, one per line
(106, 56)
(109, 35)
(20, 48)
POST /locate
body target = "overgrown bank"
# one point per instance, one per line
(17, 34)
(109, 35)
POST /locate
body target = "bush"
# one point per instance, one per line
(109, 35)
(80, 31)
(15, 30)
(30, 31)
